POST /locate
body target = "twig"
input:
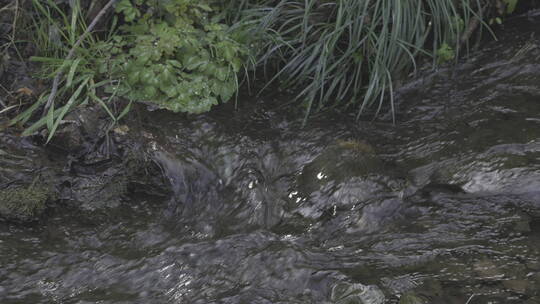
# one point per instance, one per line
(471, 27)
(8, 7)
(14, 24)
(8, 108)
(470, 299)
(15, 7)
(56, 80)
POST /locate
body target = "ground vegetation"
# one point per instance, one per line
(189, 55)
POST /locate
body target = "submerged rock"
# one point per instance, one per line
(411, 298)
(97, 191)
(345, 293)
(518, 286)
(487, 269)
(344, 174)
(339, 162)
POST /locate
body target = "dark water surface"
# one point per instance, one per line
(443, 207)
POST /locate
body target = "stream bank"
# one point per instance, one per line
(248, 207)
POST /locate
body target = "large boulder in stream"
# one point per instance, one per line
(337, 162)
(84, 168)
(344, 174)
(105, 162)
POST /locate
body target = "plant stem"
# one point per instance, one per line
(71, 53)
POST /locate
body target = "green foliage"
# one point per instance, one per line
(173, 54)
(79, 83)
(510, 5)
(347, 54)
(445, 53)
(185, 55)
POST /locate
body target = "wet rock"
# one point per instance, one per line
(400, 284)
(518, 286)
(433, 189)
(487, 269)
(106, 184)
(535, 277)
(533, 266)
(380, 216)
(69, 138)
(339, 162)
(533, 300)
(494, 171)
(23, 203)
(355, 213)
(411, 298)
(99, 191)
(346, 293)
(81, 129)
(343, 175)
(522, 226)
(429, 289)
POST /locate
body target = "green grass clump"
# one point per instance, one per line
(55, 32)
(347, 54)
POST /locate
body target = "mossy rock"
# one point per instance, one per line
(23, 203)
(343, 160)
(346, 160)
(358, 146)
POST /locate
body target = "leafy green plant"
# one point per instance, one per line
(173, 54)
(504, 8)
(445, 53)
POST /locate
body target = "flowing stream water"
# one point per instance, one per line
(442, 207)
